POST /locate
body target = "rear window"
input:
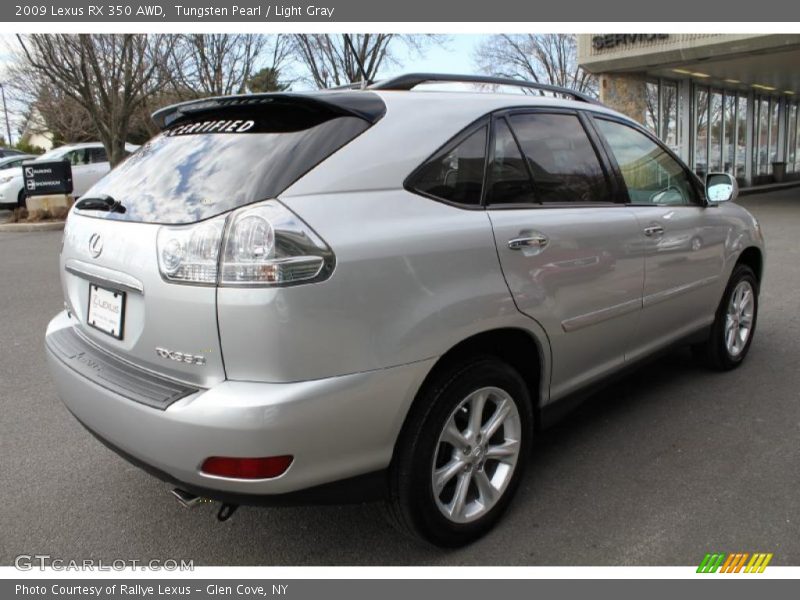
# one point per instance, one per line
(202, 167)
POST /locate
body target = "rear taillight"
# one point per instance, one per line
(268, 244)
(246, 468)
(262, 245)
(191, 254)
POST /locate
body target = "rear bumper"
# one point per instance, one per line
(336, 428)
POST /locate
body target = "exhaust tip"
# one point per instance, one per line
(187, 499)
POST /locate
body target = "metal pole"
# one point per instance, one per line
(5, 110)
(364, 81)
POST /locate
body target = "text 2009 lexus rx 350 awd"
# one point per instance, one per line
(385, 291)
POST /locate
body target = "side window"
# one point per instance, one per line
(651, 175)
(561, 158)
(97, 155)
(455, 174)
(77, 157)
(509, 181)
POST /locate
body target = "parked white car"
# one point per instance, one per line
(89, 164)
(14, 160)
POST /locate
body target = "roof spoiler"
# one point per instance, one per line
(364, 106)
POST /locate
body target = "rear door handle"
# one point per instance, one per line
(652, 230)
(538, 242)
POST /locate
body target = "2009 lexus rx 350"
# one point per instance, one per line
(385, 291)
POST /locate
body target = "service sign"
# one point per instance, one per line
(43, 178)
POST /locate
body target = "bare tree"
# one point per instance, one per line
(222, 64)
(63, 117)
(544, 58)
(109, 75)
(43, 109)
(330, 61)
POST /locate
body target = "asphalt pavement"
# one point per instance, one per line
(664, 466)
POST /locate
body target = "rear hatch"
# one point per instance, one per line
(150, 313)
(213, 156)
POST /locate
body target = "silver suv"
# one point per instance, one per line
(385, 292)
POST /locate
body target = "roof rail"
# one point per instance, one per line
(411, 80)
(356, 85)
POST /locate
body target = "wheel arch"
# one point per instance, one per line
(753, 258)
(518, 347)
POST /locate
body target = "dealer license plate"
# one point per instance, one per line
(106, 310)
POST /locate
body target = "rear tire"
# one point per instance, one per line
(735, 323)
(462, 453)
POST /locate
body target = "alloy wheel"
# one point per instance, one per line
(739, 318)
(476, 455)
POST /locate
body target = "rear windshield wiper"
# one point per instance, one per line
(102, 203)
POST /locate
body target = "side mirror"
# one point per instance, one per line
(721, 187)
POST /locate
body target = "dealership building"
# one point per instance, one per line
(722, 102)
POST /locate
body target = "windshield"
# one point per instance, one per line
(53, 154)
(203, 168)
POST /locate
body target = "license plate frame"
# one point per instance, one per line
(101, 317)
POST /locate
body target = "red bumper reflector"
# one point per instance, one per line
(246, 468)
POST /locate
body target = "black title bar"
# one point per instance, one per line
(261, 11)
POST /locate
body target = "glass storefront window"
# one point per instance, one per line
(797, 139)
(761, 154)
(701, 131)
(773, 131)
(721, 126)
(661, 111)
(791, 145)
(669, 115)
(651, 108)
(741, 136)
(715, 132)
(729, 133)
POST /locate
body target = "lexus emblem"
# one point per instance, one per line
(95, 245)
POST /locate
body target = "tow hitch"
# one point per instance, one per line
(189, 500)
(226, 512)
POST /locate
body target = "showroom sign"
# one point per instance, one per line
(43, 178)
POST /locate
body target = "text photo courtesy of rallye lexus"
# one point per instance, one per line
(385, 292)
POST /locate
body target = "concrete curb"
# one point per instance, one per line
(770, 187)
(31, 227)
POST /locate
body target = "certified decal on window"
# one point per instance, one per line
(216, 126)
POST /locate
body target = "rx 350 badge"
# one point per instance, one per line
(181, 357)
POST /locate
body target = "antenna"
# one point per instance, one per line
(364, 79)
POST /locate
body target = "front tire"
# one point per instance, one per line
(735, 322)
(461, 454)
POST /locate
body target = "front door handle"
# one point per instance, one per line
(652, 230)
(537, 242)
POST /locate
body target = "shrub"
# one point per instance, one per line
(59, 213)
(23, 215)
